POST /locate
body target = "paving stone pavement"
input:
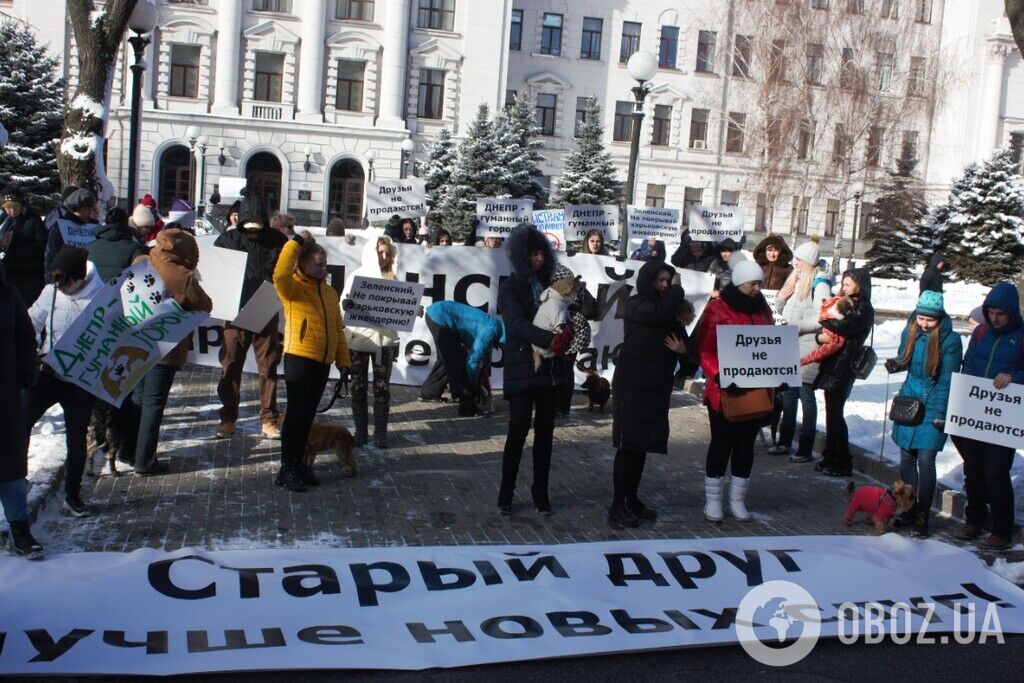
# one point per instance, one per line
(436, 485)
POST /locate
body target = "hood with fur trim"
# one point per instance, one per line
(785, 255)
(517, 246)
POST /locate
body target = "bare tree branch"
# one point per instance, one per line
(1015, 12)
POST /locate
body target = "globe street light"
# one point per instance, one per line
(143, 20)
(408, 147)
(642, 66)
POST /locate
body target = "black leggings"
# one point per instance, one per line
(837, 436)
(539, 404)
(626, 475)
(731, 442)
(305, 380)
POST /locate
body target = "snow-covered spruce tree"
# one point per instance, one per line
(898, 243)
(949, 236)
(588, 175)
(477, 174)
(990, 212)
(436, 172)
(515, 130)
(32, 106)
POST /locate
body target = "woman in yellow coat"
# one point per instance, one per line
(314, 337)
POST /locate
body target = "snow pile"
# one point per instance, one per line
(89, 106)
(1011, 571)
(901, 296)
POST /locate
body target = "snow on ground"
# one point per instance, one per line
(45, 456)
(1011, 571)
(901, 295)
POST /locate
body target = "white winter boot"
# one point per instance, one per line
(713, 494)
(737, 496)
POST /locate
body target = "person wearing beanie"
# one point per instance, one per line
(182, 213)
(930, 353)
(79, 208)
(233, 213)
(732, 443)
(975, 318)
(22, 245)
(808, 252)
(254, 236)
(73, 284)
(116, 245)
(720, 267)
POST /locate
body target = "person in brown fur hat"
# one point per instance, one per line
(776, 259)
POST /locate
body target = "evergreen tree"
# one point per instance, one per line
(989, 209)
(588, 175)
(515, 131)
(32, 107)
(477, 173)
(949, 236)
(898, 240)
(436, 172)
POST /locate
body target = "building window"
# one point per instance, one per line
(909, 147)
(890, 9)
(437, 14)
(350, 85)
(805, 140)
(831, 217)
(430, 104)
(799, 216)
(662, 124)
(668, 47)
(884, 65)
(271, 5)
(777, 59)
(741, 51)
(590, 43)
(581, 114)
(706, 52)
(730, 198)
(847, 69)
(761, 213)
(515, 40)
(819, 4)
(867, 211)
(269, 76)
(655, 196)
(924, 11)
(361, 10)
(840, 145)
(734, 133)
(551, 35)
(916, 78)
(630, 40)
(175, 176)
(692, 196)
(184, 71)
(545, 113)
(815, 63)
(622, 131)
(874, 151)
(855, 6)
(699, 129)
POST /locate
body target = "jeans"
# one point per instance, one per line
(266, 347)
(77, 404)
(987, 484)
(14, 498)
(809, 411)
(731, 442)
(151, 398)
(304, 381)
(917, 468)
(836, 455)
(539, 404)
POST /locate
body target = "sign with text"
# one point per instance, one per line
(127, 328)
(405, 198)
(977, 410)
(772, 297)
(716, 223)
(75, 234)
(646, 221)
(582, 218)
(758, 355)
(387, 304)
(498, 216)
(551, 222)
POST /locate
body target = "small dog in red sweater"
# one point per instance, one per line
(880, 504)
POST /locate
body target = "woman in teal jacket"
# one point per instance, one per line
(930, 352)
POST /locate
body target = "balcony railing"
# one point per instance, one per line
(267, 112)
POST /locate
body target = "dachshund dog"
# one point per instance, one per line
(880, 504)
(598, 390)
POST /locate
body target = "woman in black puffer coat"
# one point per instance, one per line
(653, 338)
(530, 393)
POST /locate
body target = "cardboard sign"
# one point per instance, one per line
(405, 198)
(74, 234)
(716, 223)
(551, 222)
(230, 188)
(772, 297)
(499, 216)
(977, 410)
(582, 218)
(261, 307)
(646, 221)
(385, 304)
(221, 271)
(758, 355)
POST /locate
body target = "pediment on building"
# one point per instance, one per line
(188, 24)
(272, 32)
(547, 78)
(350, 38)
(436, 49)
(667, 91)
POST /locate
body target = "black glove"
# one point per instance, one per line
(343, 374)
(347, 304)
(783, 387)
(732, 389)
(893, 365)
(298, 238)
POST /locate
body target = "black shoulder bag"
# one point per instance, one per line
(864, 362)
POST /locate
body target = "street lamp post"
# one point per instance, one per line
(197, 145)
(642, 66)
(371, 156)
(857, 196)
(143, 20)
(408, 146)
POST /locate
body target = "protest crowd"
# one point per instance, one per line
(49, 277)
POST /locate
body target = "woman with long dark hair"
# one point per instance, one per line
(593, 243)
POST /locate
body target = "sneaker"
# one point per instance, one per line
(778, 449)
(801, 457)
(270, 431)
(74, 506)
(224, 430)
(994, 542)
(24, 544)
(155, 468)
(968, 532)
(619, 517)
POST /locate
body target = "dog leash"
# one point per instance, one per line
(885, 417)
(340, 391)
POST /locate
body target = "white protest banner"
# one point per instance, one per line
(387, 304)
(259, 309)
(191, 611)
(645, 221)
(221, 272)
(405, 198)
(977, 410)
(582, 218)
(74, 234)
(551, 222)
(758, 355)
(127, 328)
(498, 216)
(716, 223)
(772, 297)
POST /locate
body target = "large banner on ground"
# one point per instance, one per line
(194, 611)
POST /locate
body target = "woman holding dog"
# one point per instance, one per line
(930, 352)
(582, 308)
(314, 337)
(732, 441)
(654, 337)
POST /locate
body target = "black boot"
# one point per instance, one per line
(282, 475)
(920, 529)
(308, 475)
(293, 480)
(805, 451)
(620, 517)
(359, 416)
(906, 518)
(380, 424)
(24, 544)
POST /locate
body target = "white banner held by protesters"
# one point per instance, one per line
(551, 222)
(645, 221)
(74, 234)
(716, 223)
(405, 198)
(758, 355)
(582, 218)
(977, 410)
(499, 216)
(387, 304)
(127, 328)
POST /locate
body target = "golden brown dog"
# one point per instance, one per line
(880, 504)
(325, 437)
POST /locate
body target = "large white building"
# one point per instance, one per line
(305, 98)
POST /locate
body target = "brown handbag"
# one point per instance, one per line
(751, 404)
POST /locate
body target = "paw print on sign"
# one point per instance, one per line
(156, 297)
(149, 280)
(130, 286)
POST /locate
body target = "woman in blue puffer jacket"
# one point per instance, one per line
(930, 352)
